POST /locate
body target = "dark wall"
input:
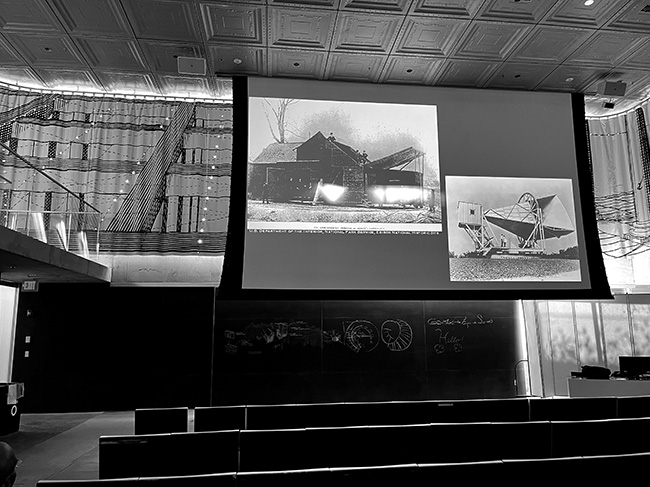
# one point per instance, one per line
(97, 348)
(328, 351)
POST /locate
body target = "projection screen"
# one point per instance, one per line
(354, 189)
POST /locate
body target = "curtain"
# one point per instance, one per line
(621, 176)
(157, 170)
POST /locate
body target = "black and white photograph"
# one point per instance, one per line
(341, 166)
(511, 229)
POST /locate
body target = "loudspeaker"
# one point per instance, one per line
(609, 88)
(191, 65)
(9, 419)
(608, 104)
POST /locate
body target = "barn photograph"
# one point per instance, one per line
(511, 229)
(343, 166)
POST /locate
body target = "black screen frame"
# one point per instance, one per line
(231, 285)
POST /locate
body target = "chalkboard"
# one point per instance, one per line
(326, 351)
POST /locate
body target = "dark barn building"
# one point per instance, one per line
(293, 170)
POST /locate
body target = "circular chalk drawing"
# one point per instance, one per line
(362, 336)
(397, 335)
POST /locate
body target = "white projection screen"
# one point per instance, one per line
(364, 190)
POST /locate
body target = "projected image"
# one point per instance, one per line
(349, 167)
(511, 229)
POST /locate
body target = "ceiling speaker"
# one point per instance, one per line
(609, 88)
(191, 65)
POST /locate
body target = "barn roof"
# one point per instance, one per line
(278, 152)
(346, 149)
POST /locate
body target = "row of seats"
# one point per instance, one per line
(586, 470)
(285, 416)
(175, 454)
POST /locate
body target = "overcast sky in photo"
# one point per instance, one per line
(370, 121)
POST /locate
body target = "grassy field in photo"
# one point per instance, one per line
(322, 213)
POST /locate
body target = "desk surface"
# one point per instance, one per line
(607, 387)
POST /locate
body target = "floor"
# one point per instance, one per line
(66, 445)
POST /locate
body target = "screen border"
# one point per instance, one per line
(231, 285)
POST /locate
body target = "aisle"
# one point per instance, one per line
(63, 446)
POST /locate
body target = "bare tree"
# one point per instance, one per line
(277, 117)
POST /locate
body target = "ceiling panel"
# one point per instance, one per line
(162, 19)
(520, 76)
(607, 49)
(570, 79)
(162, 57)
(634, 17)
(21, 76)
(55, 51)
(28, 17)
(301, 28)
(430, 36)
(505, 10)
(119, 55)
(490, 40)
(466, 73)
(296, 63)
(464, 43)
(639, 58)
(69, 79)
(311, 3)
(576, 13)
(400, 6)
(128, 82)
(550, 44)
(355, 66)
(8, 54)
(234, 23)
(408, 69)
(364, 31)
(94, 18)
(455, 8)
(233, 59)
(183, 85)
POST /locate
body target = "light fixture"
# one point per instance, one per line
(589, 2)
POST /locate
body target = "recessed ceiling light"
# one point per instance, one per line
(569, 79)
(237, 61)
(589, 2)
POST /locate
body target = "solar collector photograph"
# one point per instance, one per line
(511, 229)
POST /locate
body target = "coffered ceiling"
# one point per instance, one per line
(133, 46)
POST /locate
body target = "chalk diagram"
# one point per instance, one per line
(397, 335)
(364, 336)
(270, 337)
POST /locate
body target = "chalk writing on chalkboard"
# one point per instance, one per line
(258, 338)
(364, 336)
(451, 339)
(460, 321)
(448, 342)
